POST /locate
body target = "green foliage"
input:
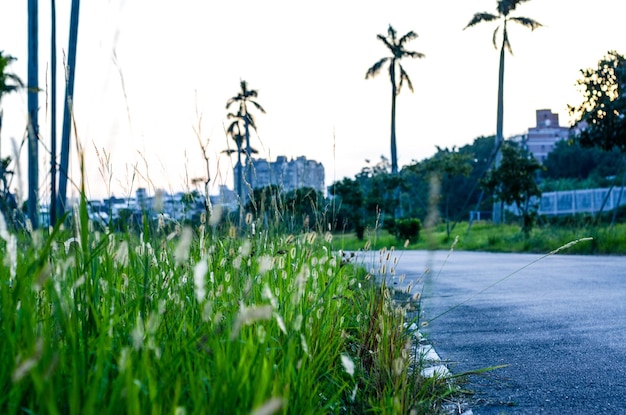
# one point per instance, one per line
(514, 182)
(404, 229)
(194, 322)
(602, 113)
(570, 160)
(300, 210)
(350, 214)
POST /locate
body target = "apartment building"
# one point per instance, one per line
(542, 139)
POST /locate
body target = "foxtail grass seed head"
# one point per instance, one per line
(570, 244)
(328, 237)
(24, 367)
(121, 255)
(348, 364)
(297, 323)
(216, 215)
(4, 232)
(368, 244)
(310, 238)
(265, 263)
(280, 322)
(181, 254)
(248, 218)
(138, 333)
(199, 279)
(157, 202)
(248, 315)
(273, 406)
(246, 248)
(232, 232)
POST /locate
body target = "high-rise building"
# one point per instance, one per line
(286, 174)
(542, 139)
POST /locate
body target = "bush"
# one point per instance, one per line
(404, 229)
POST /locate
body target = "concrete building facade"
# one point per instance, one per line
(287, 174)
(542, 139)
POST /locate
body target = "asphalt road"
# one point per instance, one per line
(559, 324)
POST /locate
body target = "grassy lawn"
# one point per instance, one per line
(484, 236)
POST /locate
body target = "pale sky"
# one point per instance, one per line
(181, 61)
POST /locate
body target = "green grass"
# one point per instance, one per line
(483, 236)
(198, 321)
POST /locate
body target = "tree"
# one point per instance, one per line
(69, 102)
(9, 82)
(602, 114)
(570, 160)
(245, 98)
(513, 182)
(350, 214)
(33, 108)
(235, 132)
(448, 165)
(397, 48)
(504, 8)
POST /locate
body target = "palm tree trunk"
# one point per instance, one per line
(247, 170)
(497, 208)
(33, 104)
(53, 114)
(394, 154)
(69, 96)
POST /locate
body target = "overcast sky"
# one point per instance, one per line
(149, 72)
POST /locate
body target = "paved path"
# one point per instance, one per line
(560, 325)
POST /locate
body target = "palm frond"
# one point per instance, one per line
(407, 37)
(507, 6)
(481, 17)
(505, 42)
(391, 33)
(413, 54)
(385, 40)
(258, 106)
(375, 69)
(404, 77)
(495, 37)
(526, 22)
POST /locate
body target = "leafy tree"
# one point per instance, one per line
(602, 113)
(570, 160)
(350, 214)
(380, 188)
(504, 9)
(448, 165)
(9, 82)
(514, 183)
(397, 48)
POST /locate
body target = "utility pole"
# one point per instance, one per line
(33, 104)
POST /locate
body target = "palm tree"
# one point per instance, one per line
(397, 48)
(9, 82)
(237, 133)
(234, 131)
(244, 98)
(504, 8)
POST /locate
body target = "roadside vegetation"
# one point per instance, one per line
(484, 236)
(204, 318)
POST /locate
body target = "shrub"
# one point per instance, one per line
(404, 229)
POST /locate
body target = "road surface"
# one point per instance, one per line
(559, 323)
